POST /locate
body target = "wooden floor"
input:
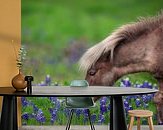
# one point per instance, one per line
(98, 127)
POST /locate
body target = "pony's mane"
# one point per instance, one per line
(127, 32)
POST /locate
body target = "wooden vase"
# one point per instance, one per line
(18, 82)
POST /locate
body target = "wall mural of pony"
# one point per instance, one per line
(135, 47)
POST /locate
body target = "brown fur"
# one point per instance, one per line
(138, 47)
(126, 33)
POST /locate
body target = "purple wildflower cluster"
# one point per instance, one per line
(47, 82)
(36, 114)
(51, 110)
(139, 101)
(55, 109)
(80, 116)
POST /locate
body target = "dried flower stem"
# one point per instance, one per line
(14, 49)
(21, 55)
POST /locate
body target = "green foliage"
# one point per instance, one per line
(49, 27)
(58, 21)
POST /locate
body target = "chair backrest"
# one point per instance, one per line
(79, 83)
(79, 102)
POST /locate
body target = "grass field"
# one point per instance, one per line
(57, 32)
(52, 111)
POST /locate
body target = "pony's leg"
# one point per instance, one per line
(158, 99)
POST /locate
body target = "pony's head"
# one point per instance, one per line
(102, 62)
(97, 62)
(102, 72)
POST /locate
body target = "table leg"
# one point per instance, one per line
(117, 114)
(9, 113)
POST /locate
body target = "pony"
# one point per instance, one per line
(134, 47)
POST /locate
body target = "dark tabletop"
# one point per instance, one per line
(65, 91)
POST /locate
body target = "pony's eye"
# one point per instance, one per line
(92, 72)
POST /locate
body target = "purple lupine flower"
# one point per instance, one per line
(144, 98)
(103, 101)
(25, 116)
(66, 111)
(141, 86)
(138, 86)
(126, 104)
(53, 99)
(24, 101)
(150, 97)
(85, 112)
(57, 104)
(126, 82)
(150, 86)
(128, 98)
(78, 112)
(145, 84)
(137, 102)
(136, 97)
(51, 110)
(42, 83)
(126, 109)
(48, 80)
(101, 119)
(103, 109)
(53, 113)
(40, 116)
(35, 108)
(93, 118)
(130, 107)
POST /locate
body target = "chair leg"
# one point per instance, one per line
(69, 120)
(89, 116)
(150, 122)
(131, 123)
(138, 123)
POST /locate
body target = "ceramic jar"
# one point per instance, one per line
(18, 82)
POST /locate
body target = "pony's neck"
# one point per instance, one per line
(132, 68)
(138, 55)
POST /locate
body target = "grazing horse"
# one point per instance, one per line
(132, 48)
